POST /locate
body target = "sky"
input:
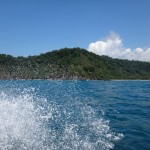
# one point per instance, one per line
(117, 28)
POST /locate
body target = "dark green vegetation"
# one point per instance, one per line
(72, 63)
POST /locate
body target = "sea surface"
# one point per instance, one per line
(74, 115)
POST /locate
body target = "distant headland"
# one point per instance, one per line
(70, 64)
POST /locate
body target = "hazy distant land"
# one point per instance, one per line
(71, 63)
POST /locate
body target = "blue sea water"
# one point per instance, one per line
(74, 115)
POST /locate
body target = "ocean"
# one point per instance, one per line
(74, 115)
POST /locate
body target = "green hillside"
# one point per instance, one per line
(74, 63)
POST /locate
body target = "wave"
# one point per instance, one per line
(29, 122)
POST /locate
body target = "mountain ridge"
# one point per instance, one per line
(71, 63)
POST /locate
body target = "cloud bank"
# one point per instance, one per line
(112, 46)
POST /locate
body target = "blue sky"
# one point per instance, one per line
(29, 27)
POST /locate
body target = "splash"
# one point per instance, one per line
(22, 122)
(28, 122)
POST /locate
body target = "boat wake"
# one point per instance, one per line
(28, 122)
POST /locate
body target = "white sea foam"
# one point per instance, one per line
(22, 122)
(31, 123)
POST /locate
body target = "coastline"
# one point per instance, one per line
(81, 79)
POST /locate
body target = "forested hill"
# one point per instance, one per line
(74, 63)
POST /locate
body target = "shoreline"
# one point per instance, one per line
(81, 79)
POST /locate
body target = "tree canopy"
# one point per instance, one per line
(71, 63)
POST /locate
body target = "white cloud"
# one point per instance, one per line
(112, 46)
